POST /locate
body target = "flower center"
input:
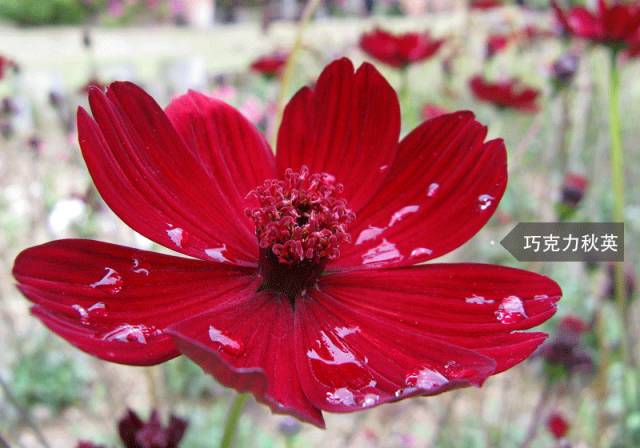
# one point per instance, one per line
(300, 223)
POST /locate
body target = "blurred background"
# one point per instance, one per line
(568, 394)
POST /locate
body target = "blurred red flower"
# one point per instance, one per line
(251, 307)
(557, 425)
(505, 94)
(495, 44)
(634, 46)
(136, 433)
(5, 64)
(399, 50)
(270, 65)
(574, 187)
(485, 4)
(611, 23)
(430, 111)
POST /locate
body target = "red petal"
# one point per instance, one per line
(348, 126)
(247, 346)
(154, 182)
(584, 24)
(480, 308)
(350, 358)
(115, 302)
(443, 187)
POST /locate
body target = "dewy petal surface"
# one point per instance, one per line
(158, 184)
(115, 302)
(444, 185)
(248, 346)
(367, 337)
(347, 126)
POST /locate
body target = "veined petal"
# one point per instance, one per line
(116, 302)
(443, 187)
(350, 358)
(347, 126)
(369, 337)
(155, 183)
(247, 346)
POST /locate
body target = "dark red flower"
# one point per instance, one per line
(270, 65)
(399, 50)
(430, 111)
(136, 433)
(611, 23)
(633, 51)
(557, 425)
(573, 189)
(485, 4)
(609, 289)
(303, 288)
(506, 94)
(495, 44)
(564, 69)
(565, 350)
(86, 444)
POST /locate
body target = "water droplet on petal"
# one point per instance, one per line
(383, 168)
(216, 253)
(368, 234)
(400, 214)
(131, 333)
(385, 251)
(485, 201)
(478, 300)
(137, 267)
(405, 391)
(454, 370)
(84, 315)
(426, 379)
(510, 310)
(98, 309)
(225, 343)
(341, 395)
(177, 235)
(346, 331)
(369, 400)
(432, 189)
(111, 282)
(418, 251)
(541, 297)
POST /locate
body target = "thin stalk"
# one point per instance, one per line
(309, 9)
(152, 386)
(617, 181)
(233, 417)
(536, 417)
(24, 414)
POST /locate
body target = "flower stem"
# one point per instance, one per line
(233, 417)
(617, 181)
(537, 416)
(285, 83)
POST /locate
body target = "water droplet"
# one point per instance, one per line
(400, 214)
(341, 395)
(224, 342)
(96, 310)
(405, 391)
(177, 235)
(478, 300)
(383, 168)
(138, 269)
(369, 400)
(84, 315)
(485, 201)
(426, 379)
(511, 310)
(368, 234)
(432, 189)
(216, 253)
(385, 251)
(454, 370)
(418, 251)
(541, 297)
(346, 331)
(111, 282)
(338, 354)
(131, 333)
